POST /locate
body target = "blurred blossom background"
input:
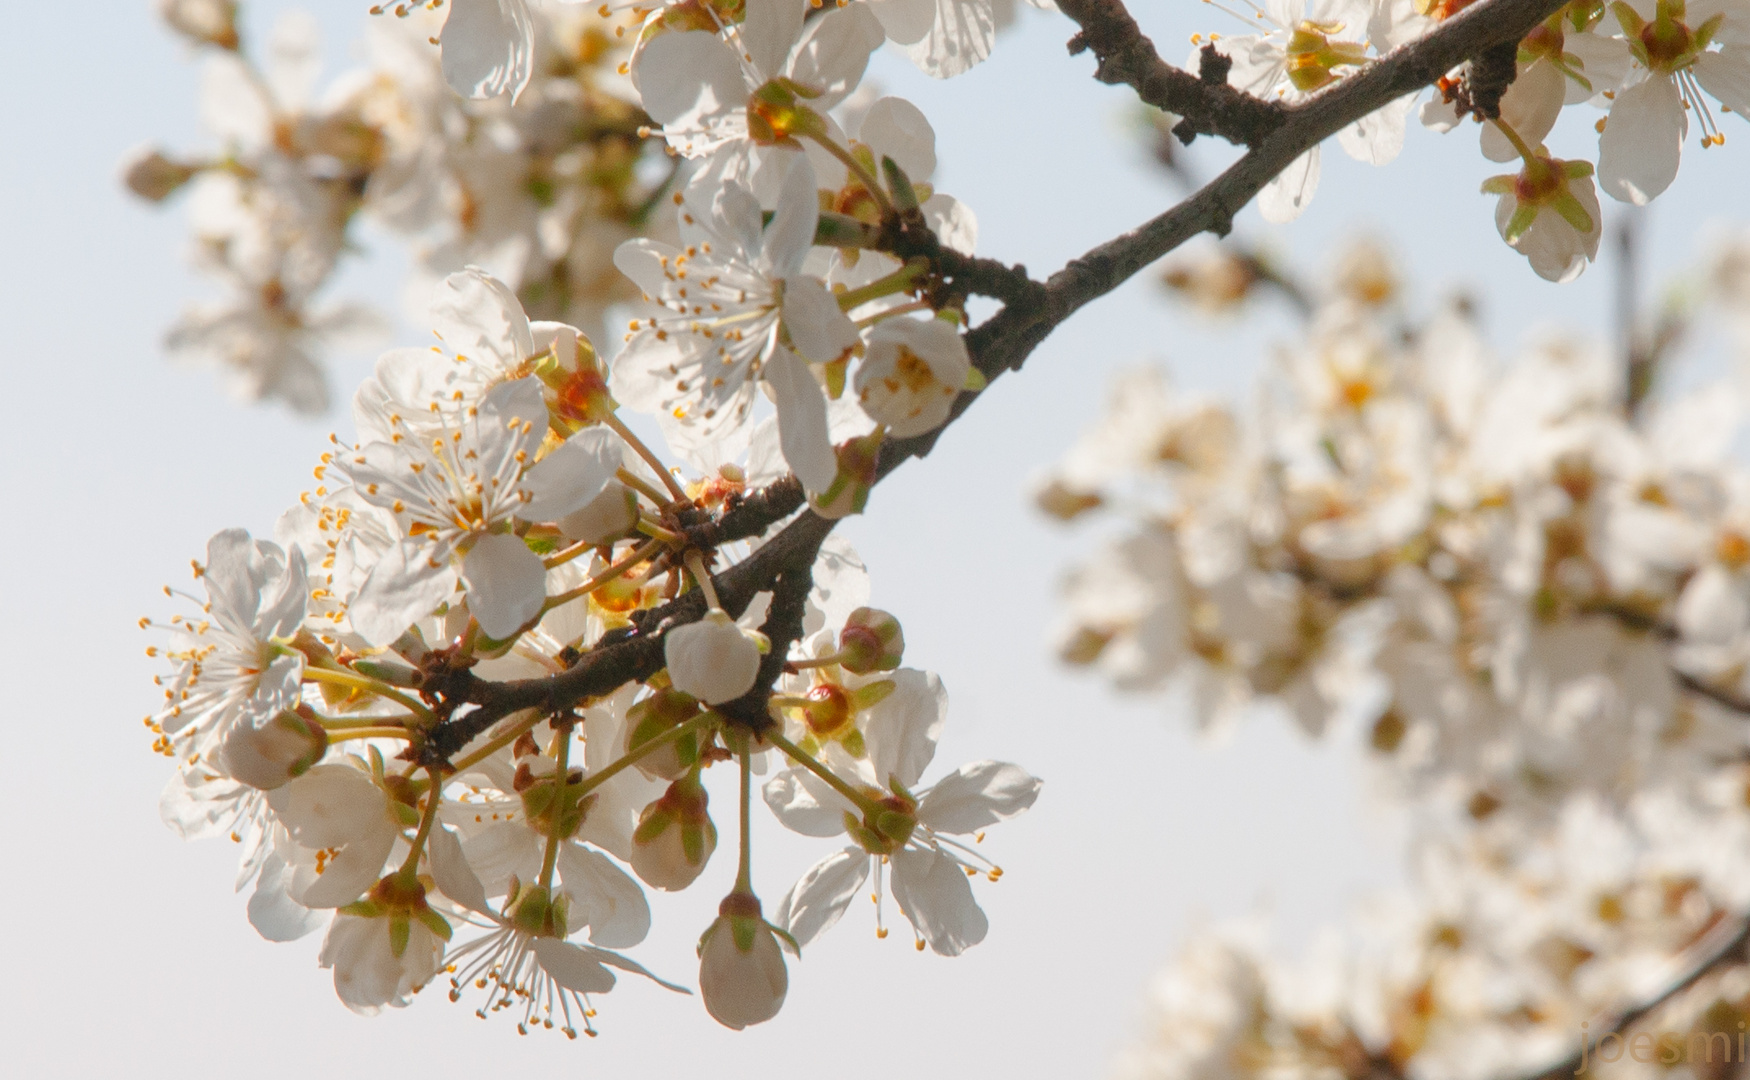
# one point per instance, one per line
(128, 956)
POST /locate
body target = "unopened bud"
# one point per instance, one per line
(655, 715)
(205, 22)
(1064, 502)
(871, 641)
(154, 177)
(675, 837)
(713, 659)
(849, 491)
(271, 754)
(741, 964)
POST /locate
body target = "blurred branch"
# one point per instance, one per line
(1722, 946)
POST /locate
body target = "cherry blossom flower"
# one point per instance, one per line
(929, 869)
(1674, 64)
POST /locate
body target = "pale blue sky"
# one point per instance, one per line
(127, 954)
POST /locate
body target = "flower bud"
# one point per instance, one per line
(662, 711)
(154, 177)
(204, 22)
(849, 491)
(674, 838)
(713, 659)
(273, 753)
(871, 641)
(741, 965)
(608, 516)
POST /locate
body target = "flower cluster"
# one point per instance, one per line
(1648, 65)
(494, 522)
(1524, 587)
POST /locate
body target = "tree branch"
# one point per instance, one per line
(1030, 313)
(1725, 944)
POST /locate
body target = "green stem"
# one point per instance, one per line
(898, 281)
(863, 175)
(637, 483)
(354, 681)
(510, 735)
(565, 555)
(903, 309)
(638, 555)
(383, 732)
(336, 723)
(619, 428)
(636, 754)
(697, 566)
(650, 528)
(410, 869)
(563, 759)
(871, 809)
(819, 661)
(1506, 129)
(744, 871)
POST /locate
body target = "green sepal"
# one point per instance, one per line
(365, 909)
(975, 380)
(400, 930)
(1520, 221)
(871, 694)
(833, 229)
(744, 931)
(1573, 213)
(436, 923)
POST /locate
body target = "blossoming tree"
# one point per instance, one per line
(458, 710)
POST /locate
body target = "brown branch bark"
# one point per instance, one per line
(1726, 944)
(1031, 311)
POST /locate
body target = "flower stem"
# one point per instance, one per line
(382, 732)
(410, 868)
(744, 870)
(819, 661)
(637, 483)
(903, 309)
(898, 281)
(649, 527)
(697, 566)
(565, 555)
(562, 758)
(619, 428)
(856, 169)
(638, 555)
(510, 735)
(870, 808)
(637, 753)
(354, 681)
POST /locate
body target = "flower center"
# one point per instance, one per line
(1312, 54)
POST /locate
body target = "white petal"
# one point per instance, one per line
(896, 128)
(1726, 75)
(804, 804)
(1378, 137)
(1283, 198)
(358, 866)
(770, 31)
(408, 583)
(450, 869)
(605, 897)
(961, 38)
(903, 727)
(977, 795)
(821, 895)
(488, 47)
(835, 51)
(506, 582)
(1529, 107)
(274, 914)
(690, 73)
(819, 330)
(802, 421)
(933, 892)
(905, 21)
(571, 967)
(574, 473)
(1642, 141)
(478, 317)
(791, 233)
(953, 222)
